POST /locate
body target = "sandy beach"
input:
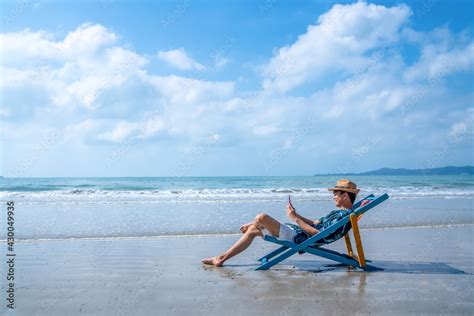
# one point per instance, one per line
(426, 271)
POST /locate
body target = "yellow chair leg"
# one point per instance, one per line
(358, 241)
(348, 245)
(349, 248)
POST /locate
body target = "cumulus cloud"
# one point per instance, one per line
(464, 128)
(73, 71)
(180, 89)
(179, 58)
(339, 41)
(134, 130)
(35, 47)
(370, 94)
(442, 54)
(89, 64)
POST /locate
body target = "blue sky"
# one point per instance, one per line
(207, 88)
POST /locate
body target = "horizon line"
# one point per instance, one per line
(363, 173)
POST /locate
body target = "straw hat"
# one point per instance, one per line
(345, 185)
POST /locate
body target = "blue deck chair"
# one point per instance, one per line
(312, 244)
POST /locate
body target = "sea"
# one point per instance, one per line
(65, 208)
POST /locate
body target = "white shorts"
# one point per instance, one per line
(286, 233)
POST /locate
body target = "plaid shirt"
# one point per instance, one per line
(325, 221)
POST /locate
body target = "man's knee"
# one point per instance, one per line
(261, 217)
(254, 231)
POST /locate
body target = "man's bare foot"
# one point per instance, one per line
(215, 261)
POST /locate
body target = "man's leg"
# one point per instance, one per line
(269, 223)
(241, 244)
(253, 230)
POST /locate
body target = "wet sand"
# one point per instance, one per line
(427, 270)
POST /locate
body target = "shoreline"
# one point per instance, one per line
(171, 236)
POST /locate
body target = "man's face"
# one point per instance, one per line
(339, 197)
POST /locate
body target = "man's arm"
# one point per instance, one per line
(307, 220)
(310, 230)
(302, 222)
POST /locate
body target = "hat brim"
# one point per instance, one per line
(355, 191)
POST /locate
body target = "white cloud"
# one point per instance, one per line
(220, 61)
(120, 132)
(442, 54)
(338, 42)
(265, 130)
(72, 72)
(371, 95)
(89, 63)
(37, 47)
(464, 128)
(86, 40)
(188, 90)
(458, 129)
(179, 58)
(114, 131)
(355, 50)
(102, 86)
(112, 70)
(76, 133)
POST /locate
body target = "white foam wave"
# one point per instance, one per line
(234, 195)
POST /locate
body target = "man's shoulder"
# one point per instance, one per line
(340, 211)
(337, 213)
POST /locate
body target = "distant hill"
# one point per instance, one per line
(449, 170)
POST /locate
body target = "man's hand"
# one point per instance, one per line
(291, 213)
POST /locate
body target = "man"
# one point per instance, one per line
(344, 194)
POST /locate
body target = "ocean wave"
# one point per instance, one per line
(83, 195)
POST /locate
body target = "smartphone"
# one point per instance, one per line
(289, 202)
